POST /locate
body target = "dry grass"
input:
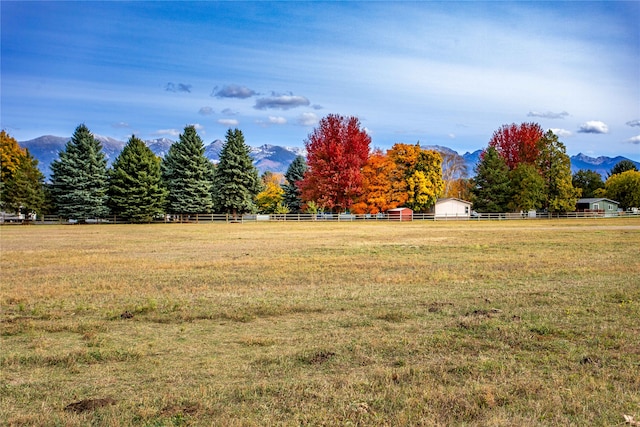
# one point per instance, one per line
(496, 323)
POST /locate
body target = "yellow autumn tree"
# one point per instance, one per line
(270, 199)
(419, 174)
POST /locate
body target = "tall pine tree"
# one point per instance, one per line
(236, 179)
(79, 178)
(492, 186)
(136, 191)
(188, 175)
(295, 173)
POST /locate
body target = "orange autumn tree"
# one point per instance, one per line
(377, 186)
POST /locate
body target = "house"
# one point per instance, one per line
(602, 206)
(451, 208)
(400, 214)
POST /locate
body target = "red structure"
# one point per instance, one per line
(400, 214)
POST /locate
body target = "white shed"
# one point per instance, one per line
(452, 208)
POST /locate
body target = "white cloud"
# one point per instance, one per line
(563, 133)
(228, 122)
(307, 119)
(282, 102)
(169, 132)
(233, 91)
(277, 120)
(198, 127)
(121, 125)
(594, 126)
(548, 115)
(635, 140)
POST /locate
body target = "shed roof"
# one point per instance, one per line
(596, 200)
(453, 198)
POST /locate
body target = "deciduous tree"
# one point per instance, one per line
(517, 143)
(378, 195)
(236, 180)
(269, 200)
(188, 175)
(293, 176)
(23, 187)
(528, 189)
(418, 174)
(337, 149)
(624, 188)
(588, 181)
(454, 169)
(555, 168)
(79, 178)
(136, 190)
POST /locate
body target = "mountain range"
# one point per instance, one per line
(274, 158)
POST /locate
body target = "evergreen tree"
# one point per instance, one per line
(622, 166)
(555, 167)
(188, 175)
(295, 173)
(135, 183)
(79, 178)
(588, 181)
(236, 180)
(492, 187)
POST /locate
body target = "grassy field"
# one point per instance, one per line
(423, 323)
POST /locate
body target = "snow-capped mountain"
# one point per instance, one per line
(274, 158)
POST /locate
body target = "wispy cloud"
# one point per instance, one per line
(307, 119)
(206, 111)
(281, 102)
(228, 122)
(233, 91)
(635, 140)
(633, 123)
(120, 125)
(178, 87)
(563, 133)
(594, 126)
(548, 115)
(229, 112)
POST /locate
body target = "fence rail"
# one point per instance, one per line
(320, 217)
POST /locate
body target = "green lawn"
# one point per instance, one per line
(423, 323)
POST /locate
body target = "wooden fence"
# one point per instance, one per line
(323, 217)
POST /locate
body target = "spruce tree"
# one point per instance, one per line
(79, 178)
(136, 190)
(188, 175)
(236, 180)
(492, 189)
(295, 173)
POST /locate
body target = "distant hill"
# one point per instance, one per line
(274, 158)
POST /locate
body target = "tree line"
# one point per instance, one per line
(522, 168)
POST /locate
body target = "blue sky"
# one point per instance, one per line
(445, 73)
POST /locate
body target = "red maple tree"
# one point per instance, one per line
(336, 151)
(517, 143)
